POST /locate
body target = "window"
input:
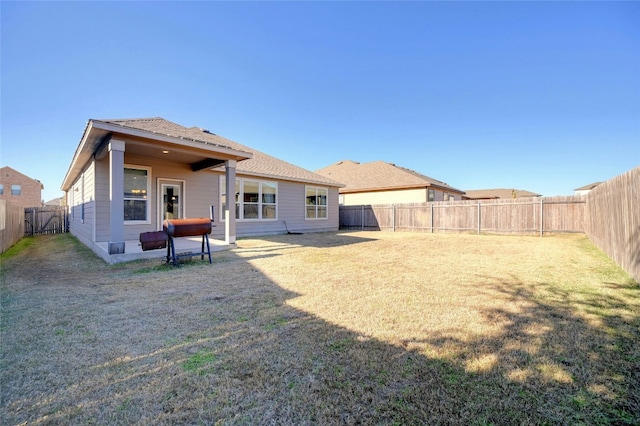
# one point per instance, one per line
(251, 199)
(136, 188)
(432, 195)
(1, 188)
(269, 200)
(16, 190)
(316, 202)
(452, 198)
(255, 200)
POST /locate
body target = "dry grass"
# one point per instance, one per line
(347, 328)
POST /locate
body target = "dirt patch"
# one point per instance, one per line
(338, 328)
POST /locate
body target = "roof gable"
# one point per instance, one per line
(379, 175)
(588, 187)
(260, 164)
(5, 169)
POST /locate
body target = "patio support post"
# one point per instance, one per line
(230, 208)
(116, 196)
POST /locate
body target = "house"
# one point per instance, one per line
(56, 202)
(584, 190)
(379, 182)
(128, 175)
(20, 189)
(492, 194)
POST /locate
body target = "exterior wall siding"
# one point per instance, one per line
(103, 214)
(201, 191)
(399, 196)
(416, 195)
(291, 214)
(82, 205)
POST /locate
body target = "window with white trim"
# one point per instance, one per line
(16, 190)
(432, 195)
(136, 190)
(315, 202)
(255, 199)
(1, 188)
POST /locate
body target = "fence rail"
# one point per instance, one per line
(45, 220)
(521, 215)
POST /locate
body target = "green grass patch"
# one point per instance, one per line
(18, 248)
(200, 362)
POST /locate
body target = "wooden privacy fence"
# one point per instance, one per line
(519, 215)
(11, 224)
(45, 220)
(613, 222)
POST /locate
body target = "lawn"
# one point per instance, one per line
(331, 328)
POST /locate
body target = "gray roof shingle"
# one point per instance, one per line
(260, 164)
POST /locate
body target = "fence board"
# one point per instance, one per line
(613, 222)
(520, 215)
(11, 224)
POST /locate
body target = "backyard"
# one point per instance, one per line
(330, 328)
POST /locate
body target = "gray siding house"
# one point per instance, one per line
(128, 175)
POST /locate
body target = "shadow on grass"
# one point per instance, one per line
(222, 346)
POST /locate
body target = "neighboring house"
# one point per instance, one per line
(20, 189)
(491, 194)
(128, 175)
(379, 182)
(56, 202)
(584, 190)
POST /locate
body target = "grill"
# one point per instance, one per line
(194, 227)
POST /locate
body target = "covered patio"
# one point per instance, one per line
(100, 191)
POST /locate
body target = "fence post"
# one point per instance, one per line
(393, 217)
(362, 218)
(432, 217)
(541, 216)
(479, 217)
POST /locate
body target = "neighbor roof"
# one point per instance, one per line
(588, 187)
(483, 194)
(379, 175)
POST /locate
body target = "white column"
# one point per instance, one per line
(116, 196)
(230, 209)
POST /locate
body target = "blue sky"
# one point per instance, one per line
(541, 96)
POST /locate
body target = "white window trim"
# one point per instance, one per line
(147, 221)
(307, 187)
(241, 181)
